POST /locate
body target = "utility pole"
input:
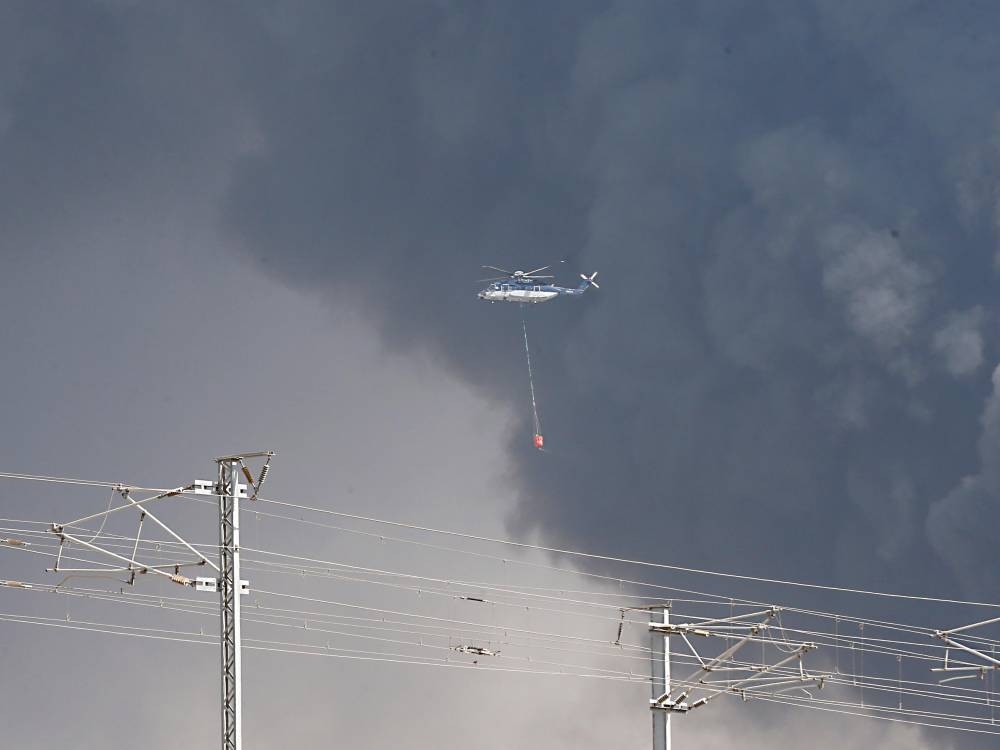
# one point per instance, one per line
(659, 650)
(719, 675)
(229, 585)
(228, 489)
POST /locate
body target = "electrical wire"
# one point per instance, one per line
(525, 594)
(877, 646)
(544, 548)
(284, 647)
(628, 561)
(865, 713)
(302, 648)
(453, 594)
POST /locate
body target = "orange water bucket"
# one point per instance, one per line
(539, 441)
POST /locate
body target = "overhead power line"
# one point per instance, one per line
(865, 666)
(542, 548)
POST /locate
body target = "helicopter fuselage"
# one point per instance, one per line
(531, 292)
(523, 293)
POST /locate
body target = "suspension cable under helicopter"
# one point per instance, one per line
(536, 423)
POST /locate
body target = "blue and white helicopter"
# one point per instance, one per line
(528, 287)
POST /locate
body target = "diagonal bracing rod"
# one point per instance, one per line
(736, 621)
(158, 522)
(961, 646)
(769, 668)
(138, 565)
(161, 496)
(707, 668)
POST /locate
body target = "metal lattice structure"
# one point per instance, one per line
(229, 584)
(229, 491)
(719, 675)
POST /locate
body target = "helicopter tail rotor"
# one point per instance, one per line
(590, 280)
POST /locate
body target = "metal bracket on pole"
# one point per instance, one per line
(675, 696)
(967, 670)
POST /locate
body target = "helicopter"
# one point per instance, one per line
(527, 287)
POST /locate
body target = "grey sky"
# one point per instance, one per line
(792, 206)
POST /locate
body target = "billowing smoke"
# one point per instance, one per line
(960, 524)
(793, 207)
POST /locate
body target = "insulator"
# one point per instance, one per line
(182, 580)
(16, 584)
(263, 474)
(247, 474)
(15, 542)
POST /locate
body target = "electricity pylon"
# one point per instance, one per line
(740, 678)
(227, 581)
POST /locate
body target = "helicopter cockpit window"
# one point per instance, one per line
(495, 287)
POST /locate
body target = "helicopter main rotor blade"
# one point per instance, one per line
(532, 273)
(501, 270)
(537, 277)
(495, 278)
